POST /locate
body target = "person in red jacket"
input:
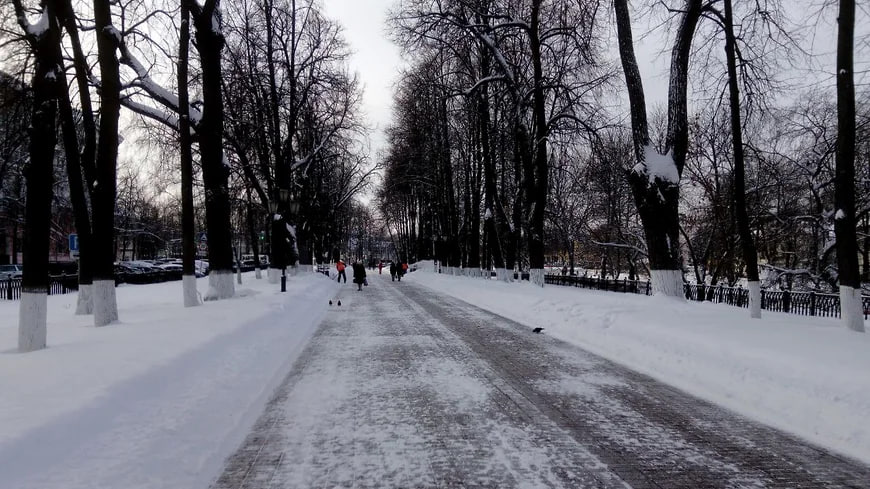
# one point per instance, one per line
(340, 267)
(380, 267)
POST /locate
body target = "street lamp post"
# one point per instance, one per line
(284, 196)
(277, 245)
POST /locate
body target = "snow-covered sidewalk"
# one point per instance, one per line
(157, 400)
(807, 376)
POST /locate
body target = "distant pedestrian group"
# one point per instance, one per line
(397, 271)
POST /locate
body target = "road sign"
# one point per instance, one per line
(202, 238)
(73, 246)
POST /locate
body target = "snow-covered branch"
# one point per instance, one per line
(165, 118)
(621, 245)
(156, 92)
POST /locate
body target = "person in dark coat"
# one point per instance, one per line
(393, 271)
(359, 274)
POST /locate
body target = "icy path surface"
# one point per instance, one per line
(402, 387)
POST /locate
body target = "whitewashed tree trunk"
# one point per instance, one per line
(536, 276)
(257, 273)
(239, 275)
(191, 295)
(502, 275)
(220, 285)
(32, 318)
(105, 303)
(754, 299)
(274, 275)
(85, 300)
(667, 282)
(851, 308)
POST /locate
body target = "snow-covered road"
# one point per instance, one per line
(405, 387)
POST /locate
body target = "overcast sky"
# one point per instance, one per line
(375, 58)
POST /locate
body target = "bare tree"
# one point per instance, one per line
(750, 256)
(43, 39)
(845, 221)
(188, 246)
(108, 40)
(655, 180)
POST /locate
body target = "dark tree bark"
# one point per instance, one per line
(46, 86)
(494, 217)
(188, 230)
(750, 255)
(108, 38)
(215, 174)
(539, 184)
(78, 199)
(81, 166)
(656, 195)
(845, 222)
(252, 233)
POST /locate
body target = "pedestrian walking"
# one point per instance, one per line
(359, 275)
(401, 269)
(381, 267)
(340, 267)
(393, 271)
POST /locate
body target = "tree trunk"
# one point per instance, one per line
(866, 251)
(255, 243)
(494, 217)
(81, 213)
(39, 172)
(844, 183)
(654, 182)
(188, 239)
(103, 203)
(215, 174)
(84, 165)
(750, 255)
(540, 175)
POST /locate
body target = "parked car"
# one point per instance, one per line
(10, 271)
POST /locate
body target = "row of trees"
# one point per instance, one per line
(505, 145)
(255, 98)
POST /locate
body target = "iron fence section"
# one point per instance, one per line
(10, 289)
(800, 303)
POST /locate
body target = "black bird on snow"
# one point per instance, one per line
(330, 302)
(339, 303)
(537, 330)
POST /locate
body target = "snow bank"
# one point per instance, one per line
(807, 376)
(156, 400)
